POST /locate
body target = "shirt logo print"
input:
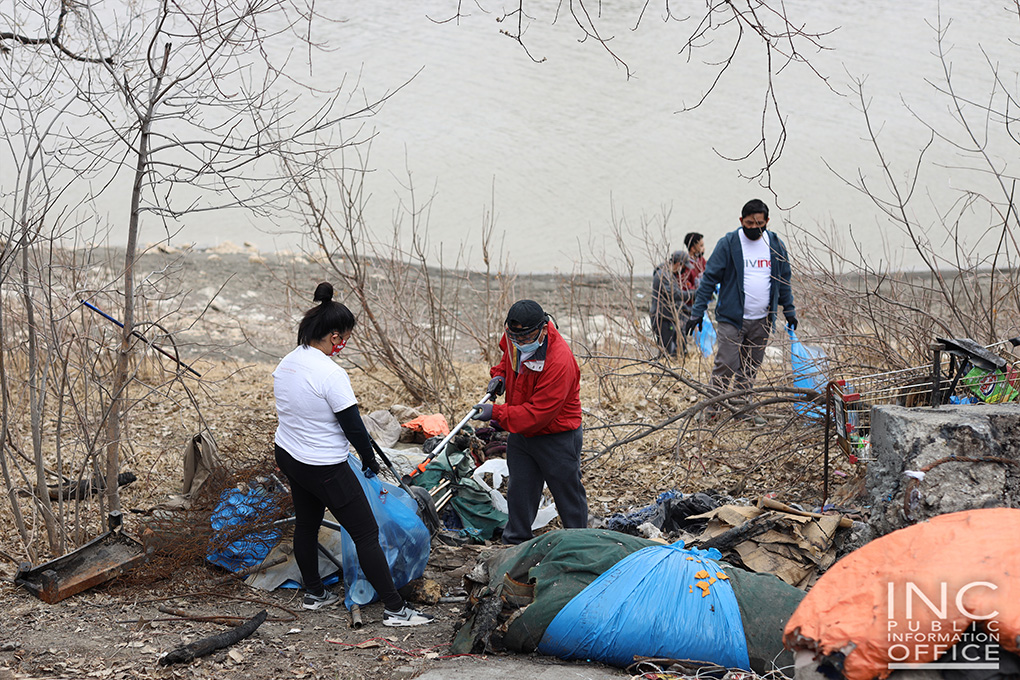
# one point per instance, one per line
(758, 264)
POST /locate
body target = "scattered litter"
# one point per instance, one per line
(795, 545)
(368, 644)
(671, 513)
(105, 557)
(433, 425)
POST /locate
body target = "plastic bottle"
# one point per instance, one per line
(361, 590)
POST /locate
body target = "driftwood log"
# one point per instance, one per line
(208, 645)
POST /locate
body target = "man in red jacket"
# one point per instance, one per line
(542, 413)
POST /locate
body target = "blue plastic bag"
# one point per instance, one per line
(236, 510)
(663, 602)
(809, 366)
(404, 539)
(705, 337)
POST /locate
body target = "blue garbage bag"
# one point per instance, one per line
(705, 337)
(404, 539)
(662, 601)
(809, 366)
(237, 510)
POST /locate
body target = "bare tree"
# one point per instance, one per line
(880, 317)
(412, 303)
(197, 104)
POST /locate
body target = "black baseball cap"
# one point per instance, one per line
(525, 316)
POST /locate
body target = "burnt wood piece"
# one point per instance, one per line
(189, 653)
(737, 535)
(84, 488)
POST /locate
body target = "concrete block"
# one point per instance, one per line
(927, 441)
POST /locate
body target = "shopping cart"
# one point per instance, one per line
(961, 371)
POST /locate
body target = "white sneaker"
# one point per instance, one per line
(327, 598)
(406, 617)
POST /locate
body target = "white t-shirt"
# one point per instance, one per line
(310, 388)
(757, 275)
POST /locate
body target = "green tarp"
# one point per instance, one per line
(560, 564)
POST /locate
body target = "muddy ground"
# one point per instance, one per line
(248, 316)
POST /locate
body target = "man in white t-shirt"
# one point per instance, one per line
(752, 269)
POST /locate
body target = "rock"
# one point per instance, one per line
(423, 590)
(403, 672)
(225, 248)
(857, 536)
(923, 442)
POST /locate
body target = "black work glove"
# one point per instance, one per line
(691, 324)
(483, 412)
(496, 386)
(791, 321)
(370, 464)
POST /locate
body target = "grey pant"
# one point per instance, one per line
(741, 351)
(553, 459)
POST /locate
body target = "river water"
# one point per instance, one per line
(565, 150)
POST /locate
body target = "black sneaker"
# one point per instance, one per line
(406, 617)
(327, 598)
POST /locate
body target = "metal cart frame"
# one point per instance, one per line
(848, 402)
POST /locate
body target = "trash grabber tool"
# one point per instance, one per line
(426, 505)
(142, 338)
(441, 446)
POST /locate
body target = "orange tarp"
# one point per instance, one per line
(907, 597)
(434, 425)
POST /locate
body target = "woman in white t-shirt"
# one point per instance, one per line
(318, 423)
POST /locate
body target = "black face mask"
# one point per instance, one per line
(753, 234)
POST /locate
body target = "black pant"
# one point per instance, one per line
(553, 459)
(317, 487)
(667, 333)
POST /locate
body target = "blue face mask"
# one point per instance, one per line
(528, 348)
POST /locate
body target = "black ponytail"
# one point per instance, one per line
(325, 318)
(323, 292)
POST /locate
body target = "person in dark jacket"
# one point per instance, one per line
(752, 268)
(670, 301)
(542, 413)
